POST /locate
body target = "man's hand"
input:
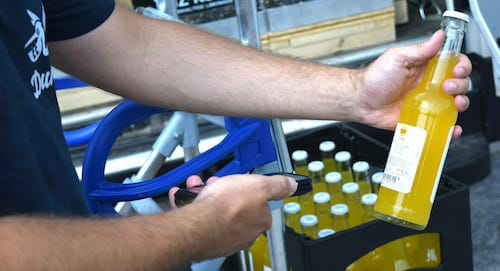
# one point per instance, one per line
(386, 82)
(235, 209)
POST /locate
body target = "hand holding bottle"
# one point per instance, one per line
(399, 70)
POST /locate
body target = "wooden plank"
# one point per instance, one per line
(328, 37)
(83, 98)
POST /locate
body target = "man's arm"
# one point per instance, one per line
(213, 225)
(178, 66)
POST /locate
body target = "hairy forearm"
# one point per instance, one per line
(180, 67)
(159, 242)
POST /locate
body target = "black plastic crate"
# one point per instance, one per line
(450, 216)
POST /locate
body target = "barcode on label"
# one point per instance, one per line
(389, 179)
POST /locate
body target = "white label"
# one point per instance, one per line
(267, 268)
(404, 156)
(441, 165)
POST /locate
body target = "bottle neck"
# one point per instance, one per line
(454, 29)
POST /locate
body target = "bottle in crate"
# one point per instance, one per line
(340, 217)
(322, 206)
(376, 180)
(325, 232)
(422, 137)
(309, 225)
(299, 159)
(327, 149)
(316, 172)
(292, 215)
(352, 199)
(333, 182)
(343, 162)
(360, 170)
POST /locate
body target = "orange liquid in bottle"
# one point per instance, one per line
(429, 113)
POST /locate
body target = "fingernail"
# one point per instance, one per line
(451, 87)
(461, 72)
(293, 186)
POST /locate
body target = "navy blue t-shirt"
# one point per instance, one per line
(36, 171)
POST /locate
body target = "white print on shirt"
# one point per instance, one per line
(37, 46)
(37, 42)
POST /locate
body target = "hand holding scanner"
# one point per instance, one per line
(186, 195)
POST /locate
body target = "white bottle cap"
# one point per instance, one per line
(369, 199)
(299, 155)
(377, 177)
(333, 177)
(350, 187)
(360, 166)
(315, 166)
(291, 207)
(339, 209)
(325, 232)
(343, 156)
(327, 146)
(308, 220)
(456, 14)
(321, 197)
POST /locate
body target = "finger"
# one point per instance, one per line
(279, 187)
(463, 67)
(457, 132)
(212, 179)
(462, 102)
(171, 197)
(423, 52)
(194, 180)
(456, 86)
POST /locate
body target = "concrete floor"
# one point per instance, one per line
(485, 217)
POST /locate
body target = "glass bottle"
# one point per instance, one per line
(292, 216)
(316, 172)
(360, 170)
(340, 217)
(309, 225)
(327, 149)
(422, 137)
(368, 204)
(376, 181)
(322, 204)
(299, 159)
(352, 199)
(333, 182)
(343, 161)
(325, 232)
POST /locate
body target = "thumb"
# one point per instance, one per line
(279, 187)
(423, 52)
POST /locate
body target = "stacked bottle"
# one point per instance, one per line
(343, 162)
(327, 149)
(350, 194)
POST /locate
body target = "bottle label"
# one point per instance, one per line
(404, 156)
(441, 165)
(267, 268)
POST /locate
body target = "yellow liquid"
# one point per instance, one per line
(293, 221)
(302, 170)
(324, 217)
(427, 107)
(330, 164)
(424, 249)
(257, 252)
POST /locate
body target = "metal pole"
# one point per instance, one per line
(246, 14)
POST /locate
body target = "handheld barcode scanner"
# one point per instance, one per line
(186, 195)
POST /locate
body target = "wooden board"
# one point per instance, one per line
(333, 36)
(83, 98)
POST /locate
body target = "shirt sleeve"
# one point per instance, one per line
(67, 19)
